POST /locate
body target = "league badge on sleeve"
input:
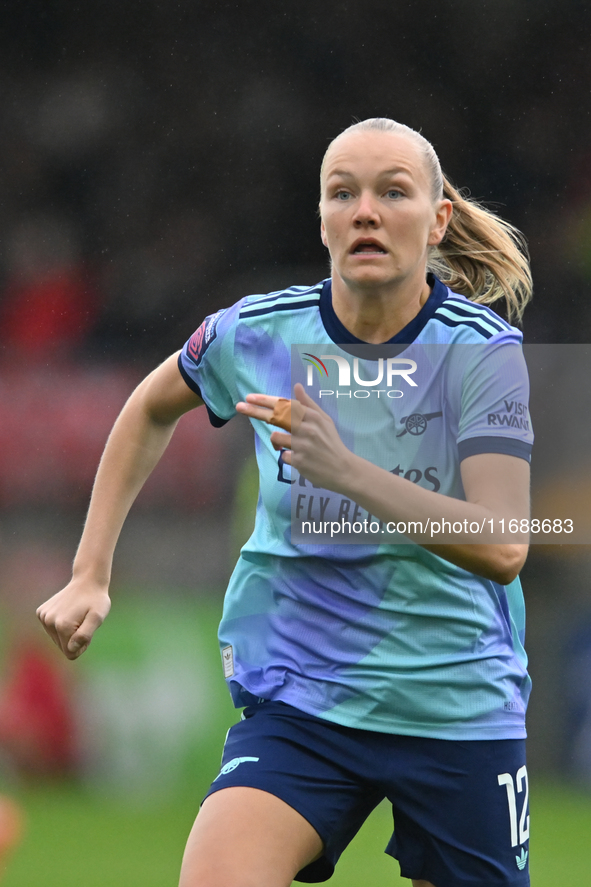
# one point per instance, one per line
(204, 336)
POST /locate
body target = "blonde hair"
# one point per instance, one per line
(481, 256)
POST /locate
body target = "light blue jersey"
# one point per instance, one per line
(387, 637)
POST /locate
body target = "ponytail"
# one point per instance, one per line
(483, 257)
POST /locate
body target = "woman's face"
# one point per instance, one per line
(377, 211)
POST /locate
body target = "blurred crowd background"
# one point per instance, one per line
(157, 162)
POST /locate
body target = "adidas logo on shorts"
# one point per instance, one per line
(521, 860)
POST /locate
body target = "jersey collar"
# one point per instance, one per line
(340, 335)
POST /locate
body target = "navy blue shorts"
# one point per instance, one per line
(460, 808)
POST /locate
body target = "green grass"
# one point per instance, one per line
(77, 840)
(89, 837)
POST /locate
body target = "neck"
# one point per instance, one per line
(377, 314)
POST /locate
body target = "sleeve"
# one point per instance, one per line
(494, 413)
(206, 363)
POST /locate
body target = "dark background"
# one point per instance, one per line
(170, 152)
(160, 160)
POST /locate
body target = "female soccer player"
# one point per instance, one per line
(373, 670)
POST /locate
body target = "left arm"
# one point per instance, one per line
(496, 487)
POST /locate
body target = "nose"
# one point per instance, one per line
(366, 211)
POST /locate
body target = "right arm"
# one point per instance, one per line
(136, 443)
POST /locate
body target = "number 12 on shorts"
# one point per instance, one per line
(521, 783)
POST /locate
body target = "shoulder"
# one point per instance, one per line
(250, 308)
(292, 299)
(463, 320)
(252, 323)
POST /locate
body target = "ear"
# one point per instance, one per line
(443, 215)
(323, 234)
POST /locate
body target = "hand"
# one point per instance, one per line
(314, 447)
(72, 616)
(279, 411)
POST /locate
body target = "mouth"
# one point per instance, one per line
(367, 247)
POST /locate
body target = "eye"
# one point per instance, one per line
(394, 194)
(342, 195)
